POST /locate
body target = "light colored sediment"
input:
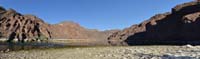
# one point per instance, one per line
(133, 52)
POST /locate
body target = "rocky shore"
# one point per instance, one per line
(126, 52)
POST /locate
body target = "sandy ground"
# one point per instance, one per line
(128, 52)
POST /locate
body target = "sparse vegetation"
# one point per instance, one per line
(134, 52)
(41, 37)
(0, 35)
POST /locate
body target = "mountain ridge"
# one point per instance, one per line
(14, 25)
(180, 26)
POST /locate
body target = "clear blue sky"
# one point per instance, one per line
(93, 14)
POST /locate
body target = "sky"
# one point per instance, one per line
(93, 14)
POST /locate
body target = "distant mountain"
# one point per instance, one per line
(180, 26)
(14, 25)
(71, 30)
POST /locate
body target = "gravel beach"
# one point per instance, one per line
(119, 52)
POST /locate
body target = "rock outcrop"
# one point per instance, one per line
(68, 30)
(14, 25)
(71, 30)
(180, 26)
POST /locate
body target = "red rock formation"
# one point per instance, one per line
(14, 25)
(71, 30)
(181, 26)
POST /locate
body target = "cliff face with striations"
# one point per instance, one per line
(13, 25)
(180, 26)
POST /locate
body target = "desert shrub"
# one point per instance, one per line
(41, 37)
(0, 34)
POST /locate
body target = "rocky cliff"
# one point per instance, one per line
(14, 25)
(180, 26)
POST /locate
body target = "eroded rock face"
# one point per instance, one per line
(68, 30)
(181, 26)
(14, 25)
(71, 30)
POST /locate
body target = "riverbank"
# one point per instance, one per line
(73, 42)
(126, 52)
(53, 43)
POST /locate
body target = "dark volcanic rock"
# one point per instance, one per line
(181, 26)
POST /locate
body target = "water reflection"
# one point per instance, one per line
(27, 46)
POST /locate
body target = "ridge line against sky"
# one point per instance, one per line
(93, 14)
